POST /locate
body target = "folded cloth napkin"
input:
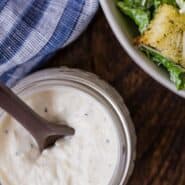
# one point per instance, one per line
(32, 30)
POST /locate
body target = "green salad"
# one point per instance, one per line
(161, 24)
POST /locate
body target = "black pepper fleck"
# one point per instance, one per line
(6, 131)
(107, 141)
(171, 21)
(110, 165)
(86, 114)
(31, 145)
(46, 109)
(16, 153)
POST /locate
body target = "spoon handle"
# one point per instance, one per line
(12, 104)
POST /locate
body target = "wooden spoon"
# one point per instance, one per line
(44, 132)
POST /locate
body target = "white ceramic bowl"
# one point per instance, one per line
(125, 31)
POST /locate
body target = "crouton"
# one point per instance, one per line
(166, 33)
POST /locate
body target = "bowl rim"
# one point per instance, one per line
(135, 54)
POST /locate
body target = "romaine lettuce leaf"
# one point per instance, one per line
(176, 72)
(140, 15)
(141, 11)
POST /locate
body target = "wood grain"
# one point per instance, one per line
(158, 115)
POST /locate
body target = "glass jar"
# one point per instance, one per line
(106, 95)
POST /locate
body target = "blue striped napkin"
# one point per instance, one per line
(31, 30)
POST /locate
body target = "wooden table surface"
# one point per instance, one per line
(158, 115)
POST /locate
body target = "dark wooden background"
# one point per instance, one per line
(158, 115)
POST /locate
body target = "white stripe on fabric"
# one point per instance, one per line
(87, 14)
(10, 15)
(39, 36)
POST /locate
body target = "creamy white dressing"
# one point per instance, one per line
(87, 158)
